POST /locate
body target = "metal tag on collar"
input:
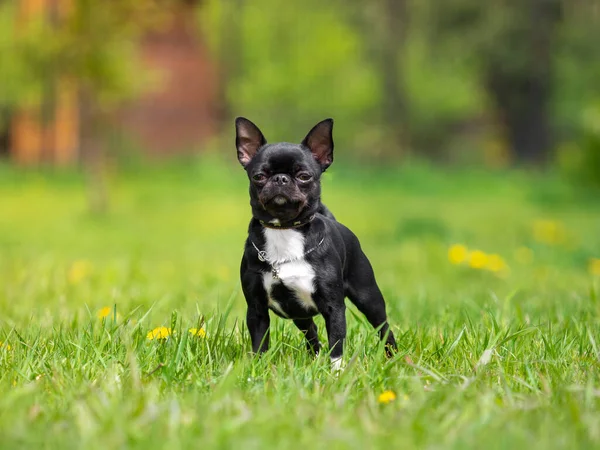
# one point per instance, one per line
(275, 273)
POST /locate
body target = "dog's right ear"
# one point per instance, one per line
(248, 140)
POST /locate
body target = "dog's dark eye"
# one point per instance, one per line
(303, 176)
(259, 177)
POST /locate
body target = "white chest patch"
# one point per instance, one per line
(297, 275)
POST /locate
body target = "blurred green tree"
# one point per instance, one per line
(92, 45)
(397, 75)
(412, 75)
(97, 46)
(383, 25)
(512, 44)
(290, 64)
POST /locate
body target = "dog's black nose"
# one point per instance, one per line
(281, 179)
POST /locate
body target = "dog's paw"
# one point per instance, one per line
(337, 365)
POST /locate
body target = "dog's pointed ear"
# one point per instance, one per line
(320, 142)
(248, 140)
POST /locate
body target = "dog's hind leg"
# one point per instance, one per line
(362, 290)
(309, 329)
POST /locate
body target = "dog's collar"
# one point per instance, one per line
(262, 256)
(285, 226)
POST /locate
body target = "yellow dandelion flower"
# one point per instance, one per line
(478, 259)
(386, 397)
(594, 266)
(5, 346)
(457, 254)
(495, 263)
(197, 332)
(548, 232)
(78, 271)
(104, 312)
(159, 333)
(524, 255)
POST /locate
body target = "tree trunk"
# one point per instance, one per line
(394, 21)
(93, 156)
(522, 97)
(4, 132)
(521, 101)
(383, 26)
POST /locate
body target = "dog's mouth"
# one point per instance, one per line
(283, 207)
(279, 200)
(282, 203)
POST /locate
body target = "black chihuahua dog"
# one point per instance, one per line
(298, 260)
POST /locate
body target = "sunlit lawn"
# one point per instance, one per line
(127, 331)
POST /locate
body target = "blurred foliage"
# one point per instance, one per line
(460, 81)
(591, 145)
(296, 63)
(99, 45)
(311, 61)
(475, 75)
(95, 45)
(577, 66)
(22, 58)
(579, 160)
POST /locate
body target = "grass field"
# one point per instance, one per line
(490, 281)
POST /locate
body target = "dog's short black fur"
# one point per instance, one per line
(298, 260)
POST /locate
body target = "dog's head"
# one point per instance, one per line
(285, 179)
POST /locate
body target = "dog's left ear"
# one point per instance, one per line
(320, 142)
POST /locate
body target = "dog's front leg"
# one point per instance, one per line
(257, 320)
(335, 322)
